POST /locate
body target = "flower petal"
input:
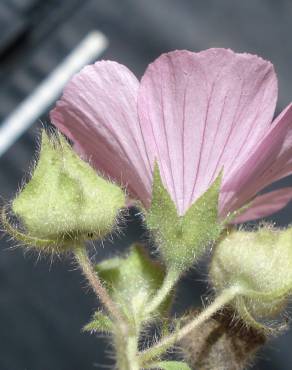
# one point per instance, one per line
(271, 160)
(98, 112)
(266, 204)
(200, 112)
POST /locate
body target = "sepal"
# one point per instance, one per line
(183, 239)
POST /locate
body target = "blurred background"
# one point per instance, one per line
(43, 305)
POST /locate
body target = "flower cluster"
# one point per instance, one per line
(193, 145)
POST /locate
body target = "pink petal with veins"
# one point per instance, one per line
(98, 112)
(270, 160)
(202, 112)
(195, 114)
(266, 204)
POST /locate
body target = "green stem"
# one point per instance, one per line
(98, 288)
(153, 352)
(126, 351)
(132, 352)
(168, 283)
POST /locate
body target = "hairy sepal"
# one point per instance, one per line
(183, 239)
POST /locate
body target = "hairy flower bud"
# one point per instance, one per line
(65, 200)
(261, 264)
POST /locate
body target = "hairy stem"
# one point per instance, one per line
(126, 351)
(160, 347)
(168, 283)
(97, 286)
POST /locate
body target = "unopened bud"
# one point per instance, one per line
(261, 264)
(65, 200)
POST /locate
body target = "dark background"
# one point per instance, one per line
(43, 305)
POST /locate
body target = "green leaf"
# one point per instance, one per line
(182, 239)
(132, 281)
(100, 322)
(65, 198)
(170, 365)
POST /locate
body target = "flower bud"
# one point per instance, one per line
(261, 264)
(66, 201)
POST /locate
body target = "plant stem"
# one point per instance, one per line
(132, 352)
(97, 286)
(127, 351)
(153, 352)
(168, 283)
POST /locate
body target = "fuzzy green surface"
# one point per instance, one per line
(260, 262)
(65, 197)
(132, 281)
(182, 239)
(99, 323)
(170, 365)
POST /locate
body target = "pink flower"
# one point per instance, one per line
(195, 113)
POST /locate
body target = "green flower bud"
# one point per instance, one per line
(261, 264)
(183, 239)
(65, 201)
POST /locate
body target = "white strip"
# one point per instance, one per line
(48, 91)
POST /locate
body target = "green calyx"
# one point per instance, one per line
(66, 201)
(261, 264)
(132, 281)
(183, 239)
